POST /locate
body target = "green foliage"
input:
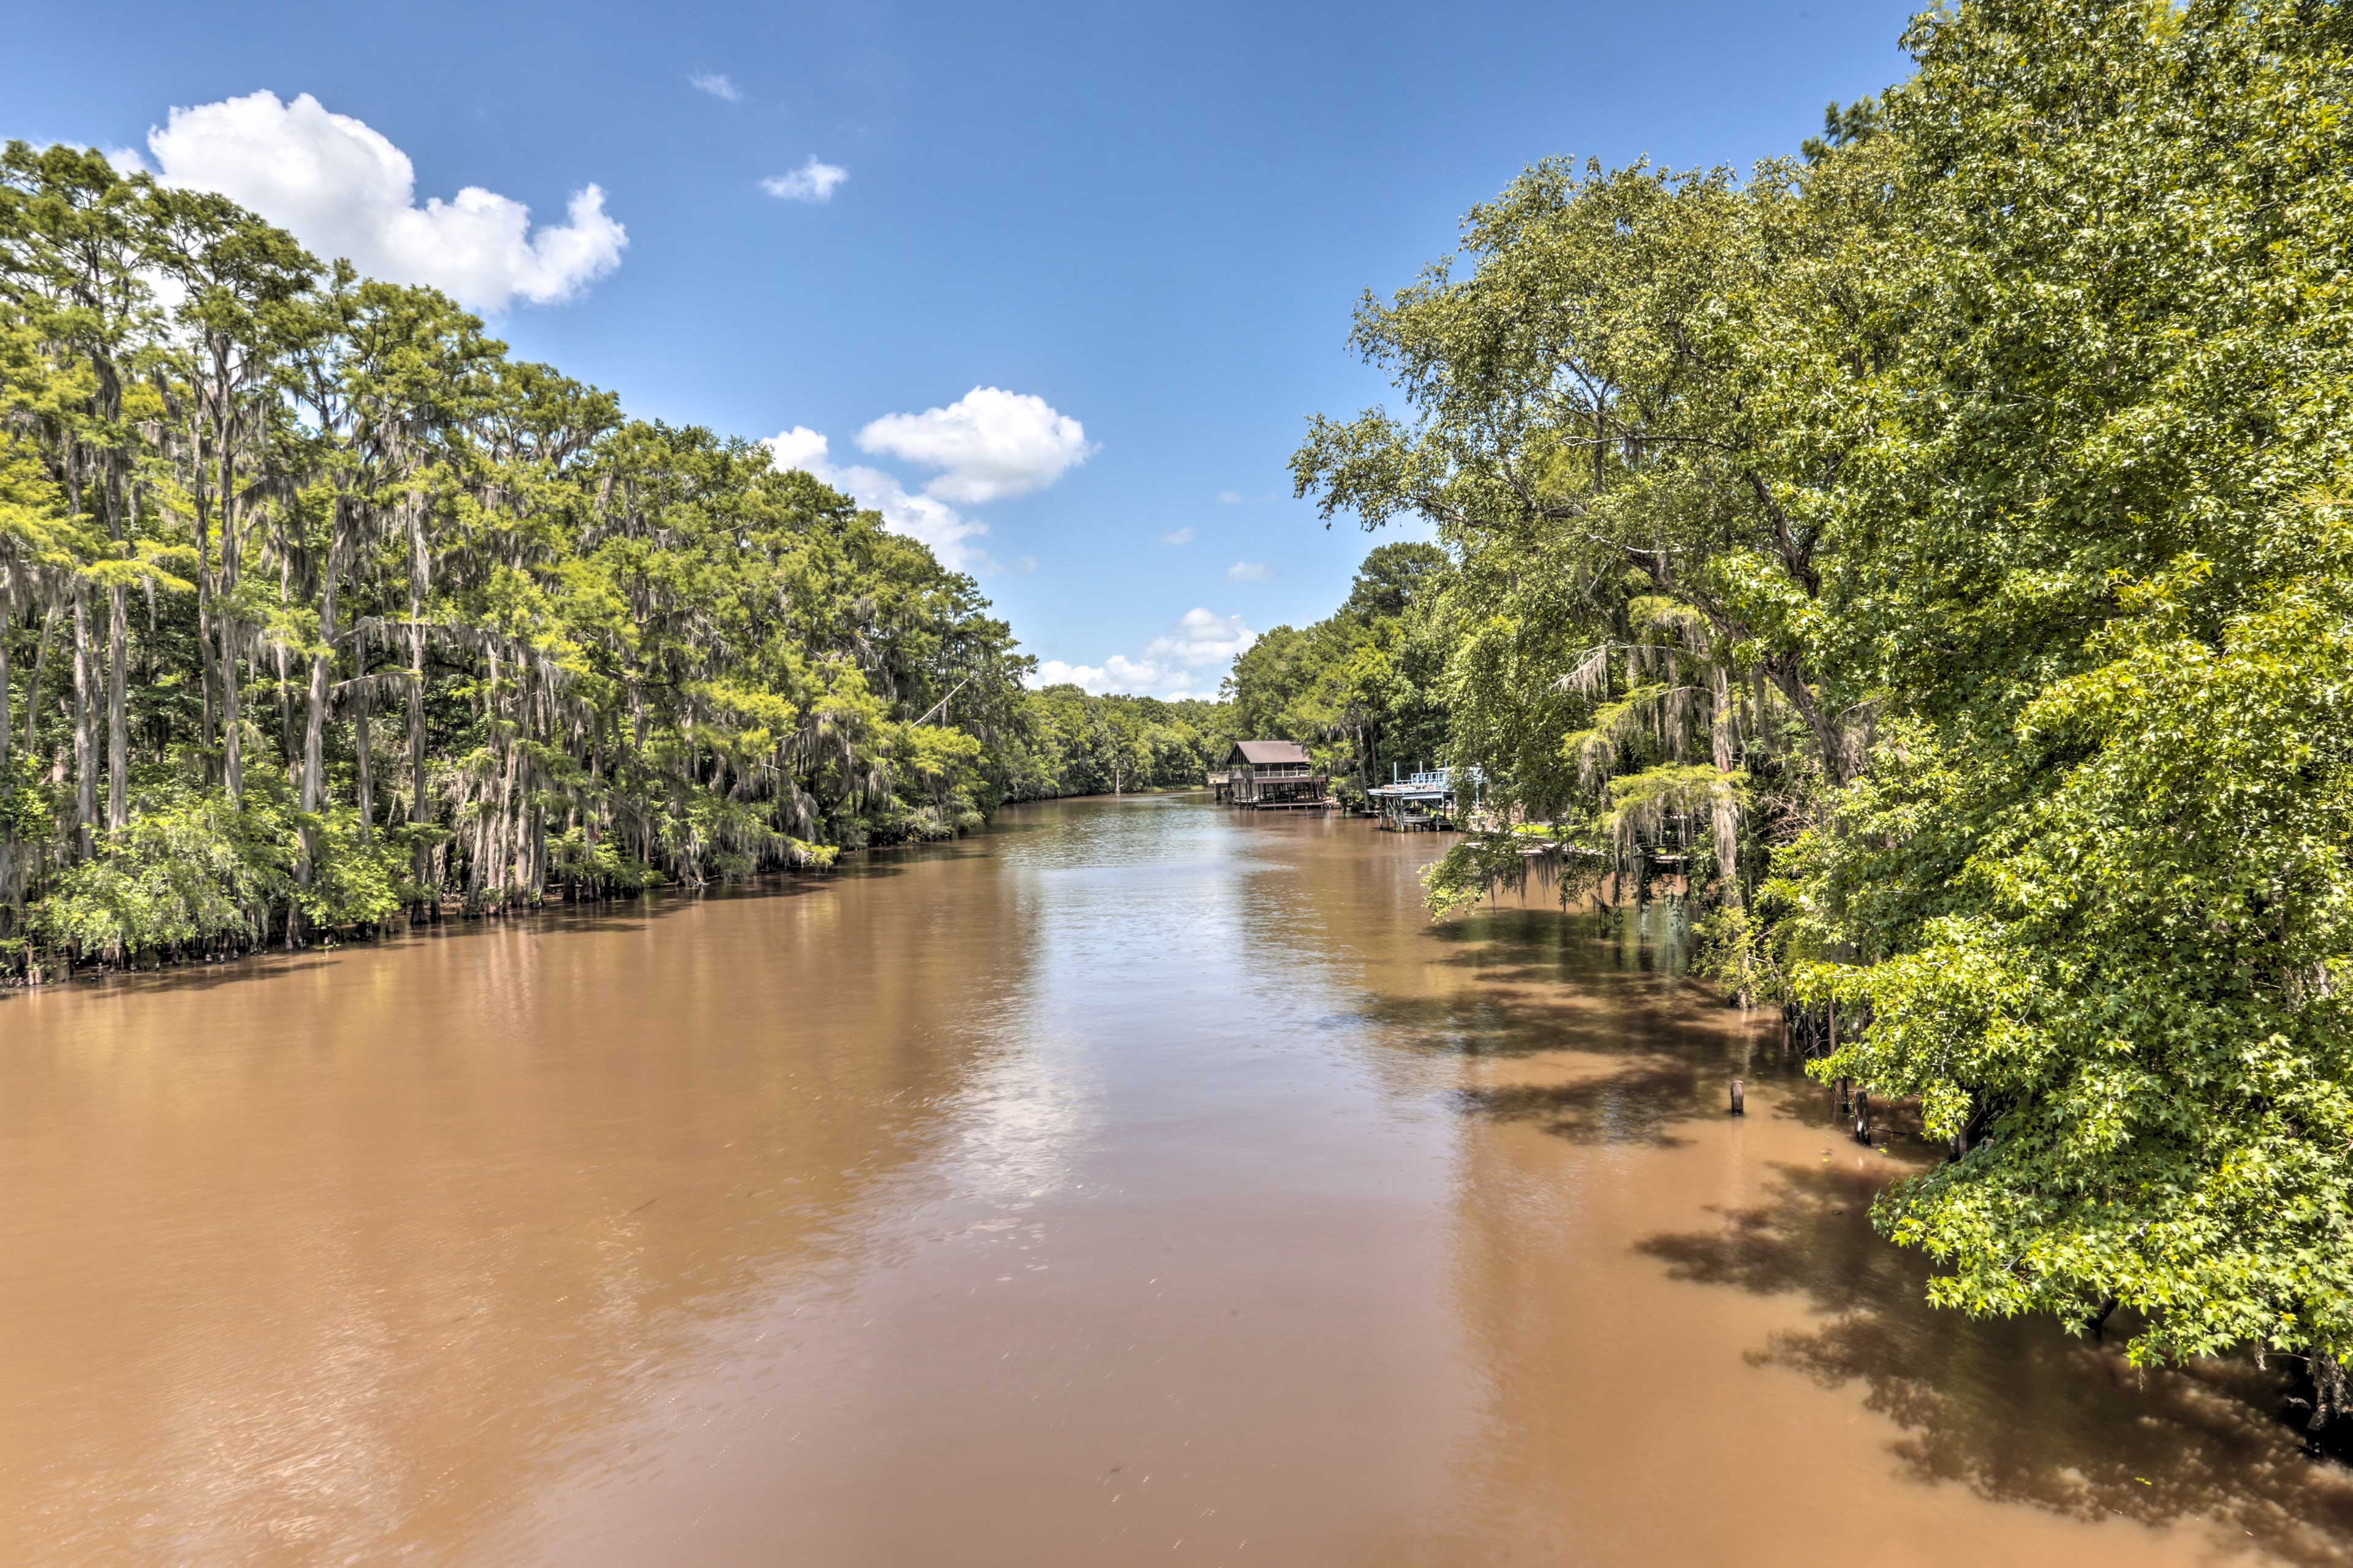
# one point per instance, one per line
(366, 613)
(192, 871)
(1067, 741)
(1940, 541)
(596, 865)
(1855, 122)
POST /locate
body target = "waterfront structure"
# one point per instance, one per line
(1271, 774)
(1425, 800)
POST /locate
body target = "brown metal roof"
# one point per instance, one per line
(1260, 753)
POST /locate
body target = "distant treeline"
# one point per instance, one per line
(1070, 743)
(316, 606)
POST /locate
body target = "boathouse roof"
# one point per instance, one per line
(1259, 752)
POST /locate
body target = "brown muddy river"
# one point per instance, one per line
(1136, 1182)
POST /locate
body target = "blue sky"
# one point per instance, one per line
(1142, 228)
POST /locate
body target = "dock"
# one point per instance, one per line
(1423, 802)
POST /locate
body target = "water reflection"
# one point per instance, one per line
(317, 1261)
(1141, 1177)
(2074, 1454)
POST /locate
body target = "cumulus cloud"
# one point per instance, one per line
(989, 444)
(1177, 536)
(1189, 660)
(799, 447)
(1203, 637)
(812, 182)
(718, 84)
(952, 536)
(343, 190)
(1249, 572)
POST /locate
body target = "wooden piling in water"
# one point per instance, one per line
(1740, 1098)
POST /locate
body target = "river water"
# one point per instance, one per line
(1135, 1182)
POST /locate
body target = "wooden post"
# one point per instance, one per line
(1863, 1116)
(1739, 1099)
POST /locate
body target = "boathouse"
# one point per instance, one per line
(1267, 774)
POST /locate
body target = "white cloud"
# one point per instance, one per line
(1249, 572)
(1177, 536)
(990, 443)
(1203, 637)
(1231, 498)
(812, 182)
(799, 447)
(1189, 660)
(952, 536)
(718, 84)
(343, 190)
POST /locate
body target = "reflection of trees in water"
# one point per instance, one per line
(1648, 1057)
(2016, 1411)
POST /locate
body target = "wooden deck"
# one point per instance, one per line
(1422, 803)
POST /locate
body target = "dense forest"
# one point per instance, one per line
(1934, 553)
(316, 608)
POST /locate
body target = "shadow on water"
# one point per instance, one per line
(1636, 1105)
(1558, 984)
(2016, 1411)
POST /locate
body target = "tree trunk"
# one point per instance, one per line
(202, 526)
(8, 739)
(285, 713)
(419, 564)
(40, 667)
(505, 839)
(118, 628)
(7, 732)
(1790, 678)
(1728, 811)
(2332, 1391)
(314, 714)
(85, 724)
(363, 744)
(232, 720)
(118, 722)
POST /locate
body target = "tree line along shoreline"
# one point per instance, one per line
(318, 610)
(1937, 546)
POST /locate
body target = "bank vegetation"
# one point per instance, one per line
(319, 610)
(1935, 550)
